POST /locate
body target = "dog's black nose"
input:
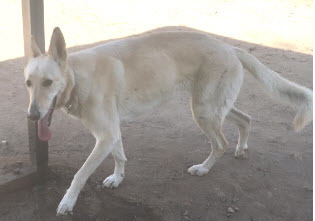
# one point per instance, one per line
(33, 115)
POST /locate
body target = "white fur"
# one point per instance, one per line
(126, 78)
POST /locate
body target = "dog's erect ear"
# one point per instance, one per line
(35, 52)
(57, 47)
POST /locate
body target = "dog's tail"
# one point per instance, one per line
(298, 97)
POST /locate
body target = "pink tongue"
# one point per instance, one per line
(44, 133)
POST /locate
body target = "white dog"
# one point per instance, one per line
(124, 78)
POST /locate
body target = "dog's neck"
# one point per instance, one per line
(69, 104)
(65, 98)
(72, 99)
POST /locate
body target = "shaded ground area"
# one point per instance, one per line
(273, 183)
(38, 203)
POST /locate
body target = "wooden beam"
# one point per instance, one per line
(33, 24)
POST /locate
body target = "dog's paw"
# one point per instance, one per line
(240, 152)
(245, 147)
(198, 170)
(65, 206)
(113, 181)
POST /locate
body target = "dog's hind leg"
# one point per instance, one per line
(242, 121)
(213, 94)
(212, 129)
(115, 179)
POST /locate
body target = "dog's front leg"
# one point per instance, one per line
(117, 177)
(102, 148)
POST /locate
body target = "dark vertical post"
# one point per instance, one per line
(33, 24)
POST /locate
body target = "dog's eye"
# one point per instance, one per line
(47, 83)
(28, 83)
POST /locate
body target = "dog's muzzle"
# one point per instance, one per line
(33, 113)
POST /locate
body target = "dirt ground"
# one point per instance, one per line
(273, 183)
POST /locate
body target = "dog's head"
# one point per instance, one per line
(45, 77)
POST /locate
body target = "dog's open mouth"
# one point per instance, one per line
(44, 133)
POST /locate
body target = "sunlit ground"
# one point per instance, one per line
(285, 24)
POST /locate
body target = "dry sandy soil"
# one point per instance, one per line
(273, 183)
